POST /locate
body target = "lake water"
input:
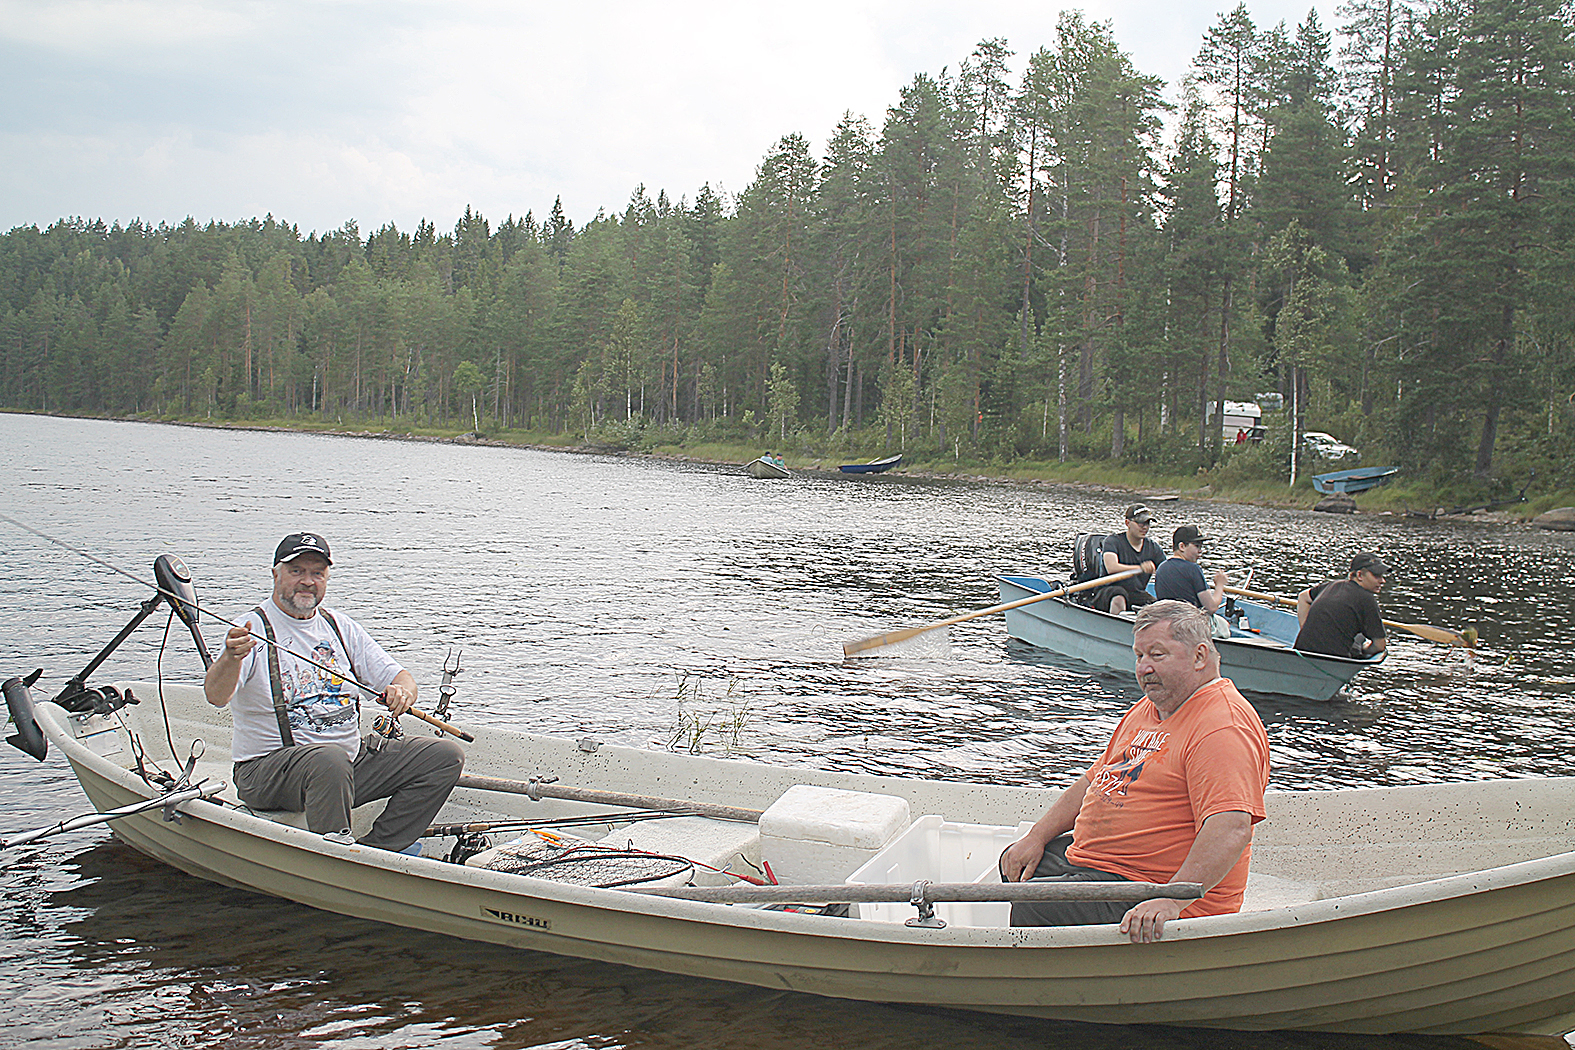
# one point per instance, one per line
(644, 602)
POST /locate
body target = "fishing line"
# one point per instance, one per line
(175, 598)
(158, 667)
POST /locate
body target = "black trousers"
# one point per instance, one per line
(1054, 865)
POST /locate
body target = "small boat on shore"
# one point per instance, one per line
(765, 467)
(1358, 479)
(1444, 908)
(1257, 656)
(879, 466)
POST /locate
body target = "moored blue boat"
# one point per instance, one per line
(876, 467)
(1257, 656)
(1358, 479)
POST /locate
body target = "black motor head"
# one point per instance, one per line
(174, 579)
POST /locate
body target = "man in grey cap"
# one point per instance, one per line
(1125, 550)
(297, 738)
(1341, 617)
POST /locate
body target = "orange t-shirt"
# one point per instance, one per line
(1160, 779)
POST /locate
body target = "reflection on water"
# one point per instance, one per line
(587, 594)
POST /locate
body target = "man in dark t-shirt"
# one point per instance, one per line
(1124, 550)
(1341, 617)
(1180, 577)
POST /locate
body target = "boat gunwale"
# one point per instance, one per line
(1269, 920)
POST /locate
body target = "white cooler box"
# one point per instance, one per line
(941, 851)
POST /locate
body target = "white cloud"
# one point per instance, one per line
(397, 111)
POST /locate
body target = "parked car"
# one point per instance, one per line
(1324, 446)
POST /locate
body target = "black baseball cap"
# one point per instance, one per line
(299, 543)
(1371, 562)
(1140, 514)
(1187, 534)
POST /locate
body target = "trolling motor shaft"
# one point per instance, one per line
(175, 587)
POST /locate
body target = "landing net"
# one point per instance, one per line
(579, 864)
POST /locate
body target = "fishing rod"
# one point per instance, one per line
(182, 596)
(168, 802)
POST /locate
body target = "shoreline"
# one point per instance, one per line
(1158, 493)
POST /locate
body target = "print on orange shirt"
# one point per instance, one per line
(1112, 780)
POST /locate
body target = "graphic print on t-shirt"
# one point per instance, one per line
(1113, 779)
(318, 700)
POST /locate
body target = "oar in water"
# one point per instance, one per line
(1442, 635)
(875, 641)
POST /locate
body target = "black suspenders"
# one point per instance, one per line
(286, 738)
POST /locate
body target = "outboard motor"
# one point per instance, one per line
(19, 701)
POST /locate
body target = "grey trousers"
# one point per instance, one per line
(415, 774)
(1054, 865)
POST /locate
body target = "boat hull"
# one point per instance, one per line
(1359, 479)
(878, 467)
(760, 468)
(1259, 661)
(1483, 950)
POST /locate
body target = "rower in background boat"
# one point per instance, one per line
(1124, 549)
(1341, 617)
(1180, 578)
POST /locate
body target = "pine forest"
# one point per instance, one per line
(1032, 256)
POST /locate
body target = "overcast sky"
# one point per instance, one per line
(398, 110)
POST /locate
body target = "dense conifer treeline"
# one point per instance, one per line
(1375, 223)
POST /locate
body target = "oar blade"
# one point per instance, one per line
(866, 646)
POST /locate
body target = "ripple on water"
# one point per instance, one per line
(590, 595)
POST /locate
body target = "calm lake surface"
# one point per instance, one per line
(636, 600)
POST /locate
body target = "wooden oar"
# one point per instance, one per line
(931, 892)
(875, 641)
(1442, 635)
(538, 790)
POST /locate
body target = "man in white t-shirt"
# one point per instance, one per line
(297, 741)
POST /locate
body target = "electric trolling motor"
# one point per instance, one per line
(173, 585)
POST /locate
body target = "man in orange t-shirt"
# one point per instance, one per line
(1172, 799)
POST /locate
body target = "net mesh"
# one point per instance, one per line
(580, 864)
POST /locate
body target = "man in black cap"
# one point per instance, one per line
(1179, 576)
(1341, 617)
(1124, 550)
(297, 721)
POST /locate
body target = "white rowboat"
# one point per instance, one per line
(1440, 909)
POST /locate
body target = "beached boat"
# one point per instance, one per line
(1440, 909)
(1359, 479)
(765, 468)
(1257, 656)
(879, 466)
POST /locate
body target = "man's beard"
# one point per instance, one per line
(303, 601)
